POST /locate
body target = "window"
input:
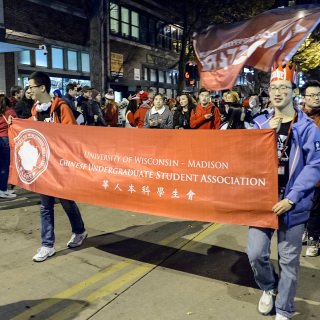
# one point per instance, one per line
(128, 20)
(153, 75)
(125, 22)
(169, 77)
(41, 59)
(161, 76)
(24, 57)
(72, 60)
(57, 58)
(114, 18)
(85, 62)
(146, 77)
(134, 25)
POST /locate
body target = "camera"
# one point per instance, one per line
(43, 47)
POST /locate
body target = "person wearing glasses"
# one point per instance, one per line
(298, 146)
(55, 109)
(310, 92)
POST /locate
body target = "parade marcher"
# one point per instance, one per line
(206, 115)
(181, 116)
(159, 116)
(144, 106)
(98, 119)
(234, 119)
(129, 113)
(23, 106)
(298, 172)
(111, 110)
(85, 105)
(6, 114)
(310, 92)
(70, 99)
(16, 95)
(53, 110)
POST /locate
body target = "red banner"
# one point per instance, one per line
(225, 176)
(274, 35)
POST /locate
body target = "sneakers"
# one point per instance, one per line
(312, 248)
(305, 237)
(281, 317)
(266, 302)
(7, 194)
(77, 239)
(43, 253)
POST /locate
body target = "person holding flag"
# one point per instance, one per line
(298, 146)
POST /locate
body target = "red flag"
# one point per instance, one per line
(274, 35)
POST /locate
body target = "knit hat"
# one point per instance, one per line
(110, 94)
(141, 95)
(57, 93)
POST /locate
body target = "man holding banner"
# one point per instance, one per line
(298, 172)
(53, 110)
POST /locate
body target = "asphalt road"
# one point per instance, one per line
(132, 267)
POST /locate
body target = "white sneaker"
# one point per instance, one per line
(312, 248)
(7, 195)
(281, 317)
(266, 302)
(77, 239)
(43, 253)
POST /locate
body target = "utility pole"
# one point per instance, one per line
(106, 56)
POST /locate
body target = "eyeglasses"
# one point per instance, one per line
(313, 95)
(31, 87)
(281, 89)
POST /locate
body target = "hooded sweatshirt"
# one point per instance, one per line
(304, 166)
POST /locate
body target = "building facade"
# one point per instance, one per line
(140, 44)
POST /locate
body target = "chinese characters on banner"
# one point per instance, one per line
(207, 175)
(275, 35)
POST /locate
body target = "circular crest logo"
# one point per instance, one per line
(32, 153)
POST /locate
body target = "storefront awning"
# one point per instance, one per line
(9, 47)
(6, 46)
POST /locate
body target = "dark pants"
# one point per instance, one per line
(4, 163)
(313, 225)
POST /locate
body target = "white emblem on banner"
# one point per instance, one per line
(31, 153)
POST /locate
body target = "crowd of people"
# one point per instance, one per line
(298, 143)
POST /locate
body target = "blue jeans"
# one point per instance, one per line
(4, 163)
(289, 249)
(47, 218)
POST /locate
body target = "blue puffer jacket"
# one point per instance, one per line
(304, 165)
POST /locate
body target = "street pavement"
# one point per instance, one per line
(132, 267)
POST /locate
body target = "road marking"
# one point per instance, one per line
(74, 289)
(203, 234)
(102, 292)
(113, 285)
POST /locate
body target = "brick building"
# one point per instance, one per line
(139, 46)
